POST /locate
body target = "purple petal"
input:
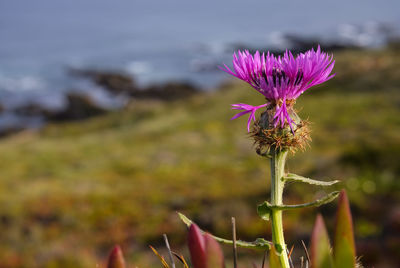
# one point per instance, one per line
(240, 114)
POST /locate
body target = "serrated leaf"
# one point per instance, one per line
(298, 178)
(264, 211)
(116, 258)
(321, 256)
(214, 255)
(344, 248)
(259, 243)
(274, 261)
(319, 202)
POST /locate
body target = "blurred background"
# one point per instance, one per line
(114, 115)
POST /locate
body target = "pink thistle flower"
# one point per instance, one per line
(280, 79)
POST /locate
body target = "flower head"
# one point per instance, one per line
(280, 79)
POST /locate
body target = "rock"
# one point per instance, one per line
(298, 44)
(11, 122)
(118, 83)
(394, 43)
(33, 109)
(169, 91)
(301, 44)
(78, 107)
(5, 132)
(114, 82)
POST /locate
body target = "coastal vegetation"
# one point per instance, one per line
(72, 190)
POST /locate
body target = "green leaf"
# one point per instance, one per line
(321, 256)
(344, 249)
(297, 178)
(259, 243)
(264, 211)
(274, 259)
(278, 248)
(266, 207)
(185, 219)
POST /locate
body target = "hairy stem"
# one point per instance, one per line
(278, 159)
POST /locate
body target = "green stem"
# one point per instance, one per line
(278, 159)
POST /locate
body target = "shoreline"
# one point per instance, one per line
(103, 90)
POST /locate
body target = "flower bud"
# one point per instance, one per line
(269, 136)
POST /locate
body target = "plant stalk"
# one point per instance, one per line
(278, 159)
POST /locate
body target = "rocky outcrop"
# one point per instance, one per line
(78, 107)
(298, 44)
(114, 82)
(5, 132)
(167, 92)
(120, 83)
(33, 109)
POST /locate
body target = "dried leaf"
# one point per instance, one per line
(163, 262)
(181, 259)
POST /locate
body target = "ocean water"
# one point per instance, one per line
(159, 40)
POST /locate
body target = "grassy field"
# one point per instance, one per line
(70, 191)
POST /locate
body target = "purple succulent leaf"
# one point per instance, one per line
(197, 247)
(214, 255)
(116, 258)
